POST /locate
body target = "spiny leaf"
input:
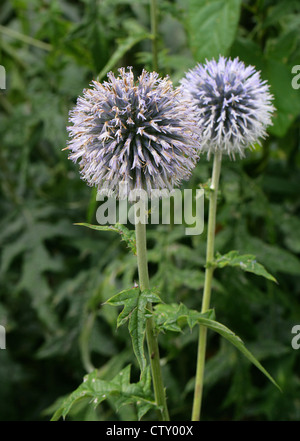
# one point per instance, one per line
(128, 299)
(174, 317)
(119, 389)
(135, 310)
(170, 316)
(246, 262)
(127, 235)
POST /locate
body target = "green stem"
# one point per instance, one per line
(159, 391)
(154, 27)
(207, 284)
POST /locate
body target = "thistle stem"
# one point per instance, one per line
(154, 26)
(207, 284)
(159, 391)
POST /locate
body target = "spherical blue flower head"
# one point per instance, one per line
(134, 132)
(232, 105)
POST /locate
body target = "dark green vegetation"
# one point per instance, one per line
(55, 276)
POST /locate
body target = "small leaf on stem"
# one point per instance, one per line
(246, 262)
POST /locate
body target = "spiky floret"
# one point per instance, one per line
(232, 105)
(134, 132)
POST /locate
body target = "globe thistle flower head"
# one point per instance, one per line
(133, 132)
(232, 104)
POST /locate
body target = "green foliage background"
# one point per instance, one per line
(55, 276)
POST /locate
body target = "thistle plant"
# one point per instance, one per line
(233, 108)
(138, 133)
(149, 135)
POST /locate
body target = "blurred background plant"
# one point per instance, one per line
(55, 276)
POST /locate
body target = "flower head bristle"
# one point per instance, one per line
(232, 105)
(138, 132)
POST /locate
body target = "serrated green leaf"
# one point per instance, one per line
(246, 262)
(137, 330)
(135, 310)
(212, 26)
(126, 298)
(165, 315)
(119, 389)
(127, 235)
(174, 317)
